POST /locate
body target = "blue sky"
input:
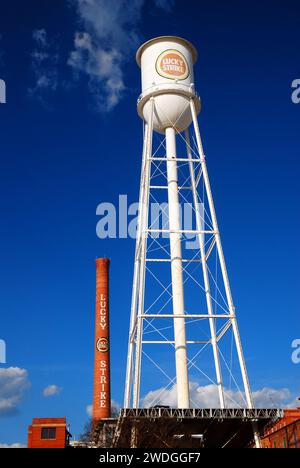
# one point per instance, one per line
(71, 139)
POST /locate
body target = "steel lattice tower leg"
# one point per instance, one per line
(224, 271)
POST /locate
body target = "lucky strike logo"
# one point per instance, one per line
(102, 345)
(173, 65)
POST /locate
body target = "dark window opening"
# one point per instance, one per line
(48, 433)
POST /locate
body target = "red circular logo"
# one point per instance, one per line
(102, 345)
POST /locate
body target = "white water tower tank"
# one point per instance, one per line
(167, 64)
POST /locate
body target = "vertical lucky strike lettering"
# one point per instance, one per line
(103, 347)
(101, 405)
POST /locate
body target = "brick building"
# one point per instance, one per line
(285, 433)
(48, 433)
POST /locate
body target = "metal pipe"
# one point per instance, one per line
(183, 400)
(204, 316)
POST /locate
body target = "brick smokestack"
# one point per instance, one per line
(101, 402)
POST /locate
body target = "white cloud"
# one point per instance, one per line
(15, 445)
(40, 36)
(89, 410)
(109, 36)
(103, 44)
(207, 397)
(44, 61)
(271, 397)
(13, 383)
(165, 4)
(51, 390)
(115, 407)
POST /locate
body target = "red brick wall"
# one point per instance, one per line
(285, 433)
(101, 401)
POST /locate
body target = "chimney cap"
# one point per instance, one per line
(102, 260)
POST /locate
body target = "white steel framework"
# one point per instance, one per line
(177, 177)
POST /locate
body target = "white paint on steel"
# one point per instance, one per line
(144, 208)
(134, 297)
(200, 226)
(172, 89)
(223, 267)
(176, 270)
(169, 104)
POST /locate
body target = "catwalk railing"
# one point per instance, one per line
(203, 413)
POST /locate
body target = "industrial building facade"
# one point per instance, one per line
(48, 433)
(285, 433)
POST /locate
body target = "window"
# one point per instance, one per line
(48, 433)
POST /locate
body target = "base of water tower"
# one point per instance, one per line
(191, 428)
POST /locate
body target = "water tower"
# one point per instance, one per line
(169, 106)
